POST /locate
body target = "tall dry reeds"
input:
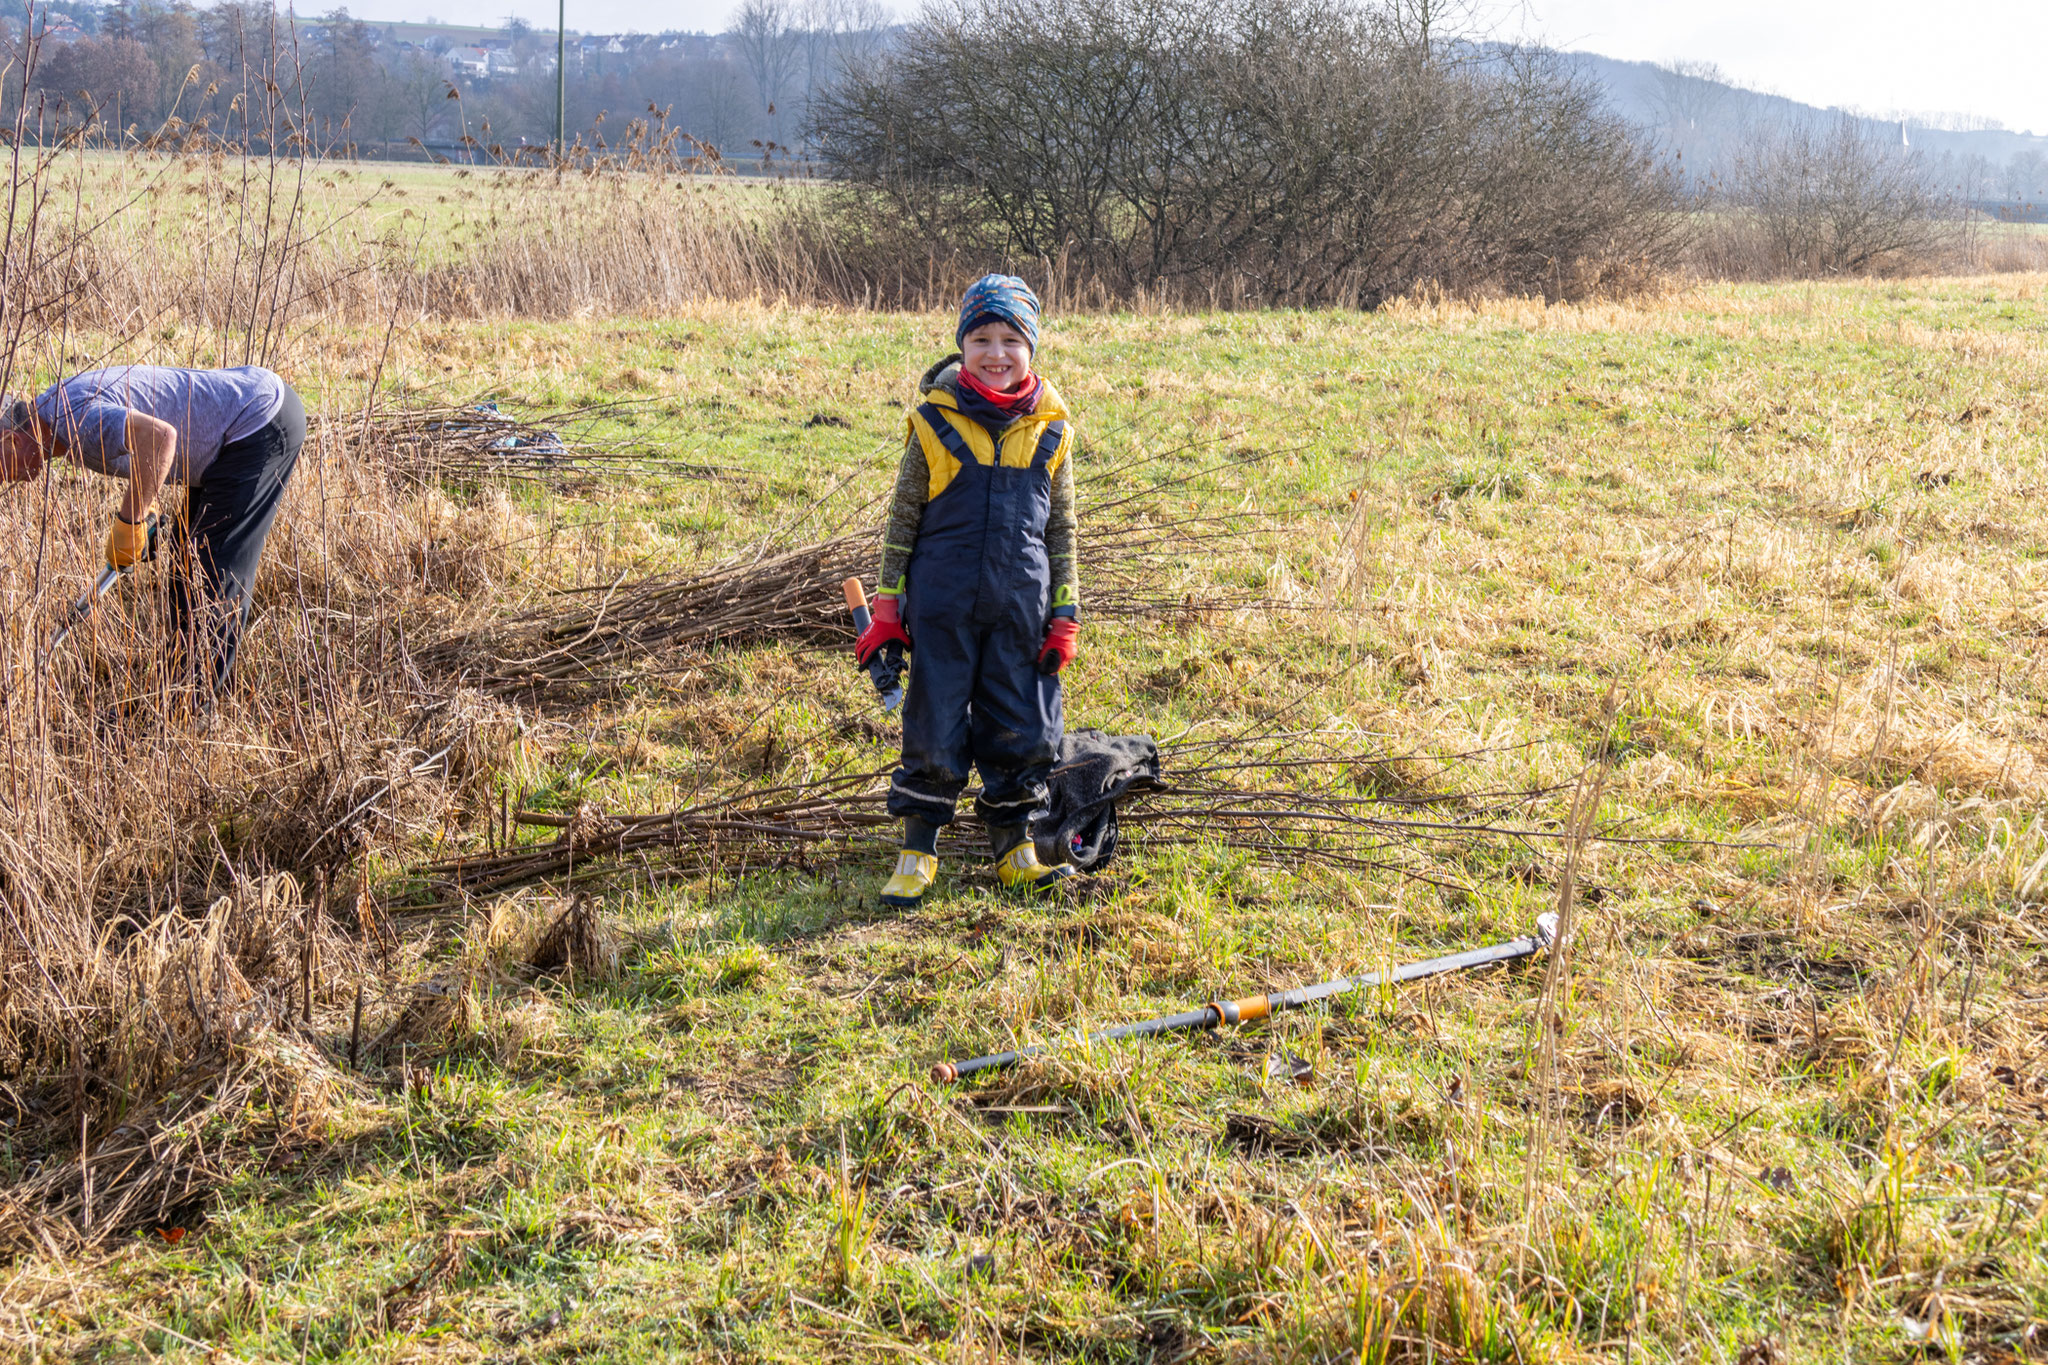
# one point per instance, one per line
(180, 876)
(182, 905)
(240, 258)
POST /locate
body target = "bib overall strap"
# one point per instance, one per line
(1048, 444)
(949, 437)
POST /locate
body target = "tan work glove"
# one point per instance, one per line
(129, 543)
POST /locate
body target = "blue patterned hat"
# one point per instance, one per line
(1003, 298)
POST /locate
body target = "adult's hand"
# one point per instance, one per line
(129, 542)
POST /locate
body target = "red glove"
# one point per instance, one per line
(884, 626)
(1062, 642)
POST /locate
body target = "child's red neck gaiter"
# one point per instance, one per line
(1020, 400)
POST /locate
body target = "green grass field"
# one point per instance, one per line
(1777, 554)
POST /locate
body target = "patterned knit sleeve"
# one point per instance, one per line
(906, 515)
(1062, 538)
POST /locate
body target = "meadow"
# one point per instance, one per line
(1730, 601)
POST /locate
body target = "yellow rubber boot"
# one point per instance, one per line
(1020, 870)
(914, 875)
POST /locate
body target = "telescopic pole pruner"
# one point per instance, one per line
(1217, 1013)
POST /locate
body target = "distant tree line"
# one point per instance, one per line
(1276, 151)
(137, 68)
(1782, 190)
(1707, 123)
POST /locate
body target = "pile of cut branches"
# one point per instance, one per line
(1285, 799)
(788, 594)
(479, 441)
(1130, 568)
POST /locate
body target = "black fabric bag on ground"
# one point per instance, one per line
(1095, 771)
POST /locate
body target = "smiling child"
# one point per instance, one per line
(978, 581)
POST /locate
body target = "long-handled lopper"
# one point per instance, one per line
(886, 668)
(1220, 1012)
(82, 608)
(101, 586)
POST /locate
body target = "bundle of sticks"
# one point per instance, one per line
(786, 594)
(1283, 799)
(1130, 568)
(478, 440)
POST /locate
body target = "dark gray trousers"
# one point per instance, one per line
(228, 516)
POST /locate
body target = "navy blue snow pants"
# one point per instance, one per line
(975, 607)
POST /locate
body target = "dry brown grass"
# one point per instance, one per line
(182, 884)
(151, 926)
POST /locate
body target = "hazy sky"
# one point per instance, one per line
(1987, 57)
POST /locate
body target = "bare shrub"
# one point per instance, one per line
(1829, 198)
(1275, 151)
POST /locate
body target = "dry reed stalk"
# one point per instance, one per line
(577, 944)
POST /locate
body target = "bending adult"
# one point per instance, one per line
(230, 436)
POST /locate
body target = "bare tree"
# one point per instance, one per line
(2026, 177)
(716, 115)
(769, 43)
(1688, 95)
(862, 26)
(829, 34)
(420, 92)
(1426, 28)
(1840, 197)
(112, 79)
(343, 79)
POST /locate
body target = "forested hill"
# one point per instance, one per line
(1695, 111)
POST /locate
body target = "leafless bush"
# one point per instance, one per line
(1830, 198)
(1283, 151)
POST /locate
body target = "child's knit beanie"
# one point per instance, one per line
(999, 298)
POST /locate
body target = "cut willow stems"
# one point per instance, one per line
(1217, 1013)
(793, 595)
(837, 817)
(475, 441)
(1135, 561)
(825, 819)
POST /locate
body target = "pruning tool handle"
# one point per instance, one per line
(82, 608)
(108, 577)
(857, 603)
(886, 668)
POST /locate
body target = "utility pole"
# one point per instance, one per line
(562, 81)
